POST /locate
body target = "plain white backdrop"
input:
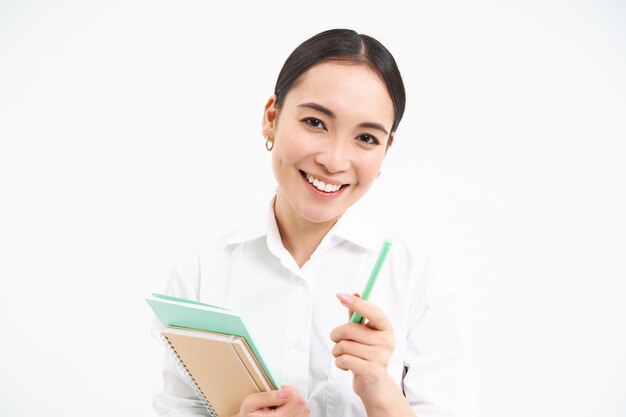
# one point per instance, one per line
(130, 134)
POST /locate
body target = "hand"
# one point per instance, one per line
(364, 349)
(286, 402)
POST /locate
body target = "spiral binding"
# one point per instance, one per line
(190, 379)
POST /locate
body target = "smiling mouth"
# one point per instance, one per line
(321, 185)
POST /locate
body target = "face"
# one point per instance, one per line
(330, 137)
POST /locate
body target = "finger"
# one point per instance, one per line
(350, 312)
(358, 350)
(358, 366)
(358, 333)
(376, 317)
(363, 370)
(261, 400)
(295, 406)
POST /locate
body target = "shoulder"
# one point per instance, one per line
(207, 258)
(409, 255)
(426, 279)
(408, 250)
(208, 263)
(216, 247)
(358, 225)
(433, 282)
(411, 259)
(407, 267)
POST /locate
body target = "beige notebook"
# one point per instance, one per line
(221, 368)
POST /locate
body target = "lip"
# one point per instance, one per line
(321, 194)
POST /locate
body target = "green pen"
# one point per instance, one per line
(356, 318)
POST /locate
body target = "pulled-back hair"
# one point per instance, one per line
(344, 46)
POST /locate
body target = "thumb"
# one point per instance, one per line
(261, 400)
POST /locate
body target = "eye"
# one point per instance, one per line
(368, 139)
(315, 123)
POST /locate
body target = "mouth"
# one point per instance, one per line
(321, 185)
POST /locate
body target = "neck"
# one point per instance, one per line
(300, 237)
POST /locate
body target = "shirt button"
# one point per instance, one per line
(296, 342)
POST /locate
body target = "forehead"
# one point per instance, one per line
(349, 90)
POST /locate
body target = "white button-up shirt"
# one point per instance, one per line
(291, 312)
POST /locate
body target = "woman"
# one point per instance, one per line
(337, 104)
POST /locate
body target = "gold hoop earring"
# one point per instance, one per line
(269, 145)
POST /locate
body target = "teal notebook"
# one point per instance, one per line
(179, 312)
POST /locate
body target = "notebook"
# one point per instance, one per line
(214, 350)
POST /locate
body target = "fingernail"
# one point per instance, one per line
(284, 393)
(345, 298)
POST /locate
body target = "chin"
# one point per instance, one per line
(319, 216)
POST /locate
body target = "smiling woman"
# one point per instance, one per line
(329, 125)
(329, 144)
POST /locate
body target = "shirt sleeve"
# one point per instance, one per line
(178, 399)
(437, 382)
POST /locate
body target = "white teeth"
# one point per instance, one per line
(321, 185)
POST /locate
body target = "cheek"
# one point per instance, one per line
(369, 168)
(292, 147)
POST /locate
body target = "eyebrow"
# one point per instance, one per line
(329, 113)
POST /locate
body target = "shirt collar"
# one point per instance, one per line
(358, 228)
(261, 225)
(353, 226)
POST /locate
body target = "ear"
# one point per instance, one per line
(269, 117)
(392, 135)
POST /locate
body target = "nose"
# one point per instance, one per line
(334, 156)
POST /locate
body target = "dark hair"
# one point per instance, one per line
(343, 45)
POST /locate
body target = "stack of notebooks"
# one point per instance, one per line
(214, 350)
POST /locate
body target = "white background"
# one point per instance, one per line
(130, 134)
